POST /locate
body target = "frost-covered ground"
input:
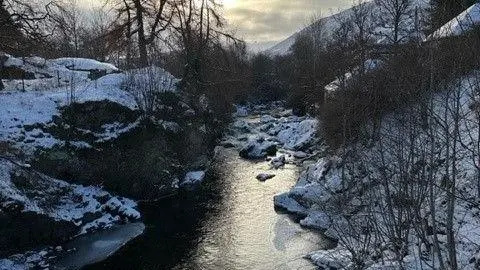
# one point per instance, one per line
(341, 197)
(87, 208)
(59, 83)
(27, 111)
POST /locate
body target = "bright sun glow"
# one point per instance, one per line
(229, 3)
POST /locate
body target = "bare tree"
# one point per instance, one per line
(144, 19)
(24, 24)
(397, 16)
(70, 25)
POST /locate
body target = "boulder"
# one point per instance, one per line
(278, 162)
(258, 149)
(265, 176)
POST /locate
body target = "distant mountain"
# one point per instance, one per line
(329, 24)
(464, 22)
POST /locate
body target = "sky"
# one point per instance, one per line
(263, 23)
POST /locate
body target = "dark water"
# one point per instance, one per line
(229, 223)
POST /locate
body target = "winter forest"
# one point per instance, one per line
(158, 134)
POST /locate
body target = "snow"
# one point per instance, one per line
(124, 207)
(43, 99)
(13, 62)
(268, 129)
(331, 259)
(114, 130)
(27, 108)
(84, 64)
(332, 195)
(258, 148)
(345, 80)
(326, 27)
(29, 260)
(193, 178)
(172, 127)
(240, 111)
(150, 77)
(459, 25)
(299, 135)
(242, 125)
(62, 201)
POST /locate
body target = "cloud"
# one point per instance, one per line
(267, 21)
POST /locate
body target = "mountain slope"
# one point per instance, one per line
(326, 27)
(464, 22)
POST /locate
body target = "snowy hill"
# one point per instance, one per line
(332, 195)
(328, 25)
(50, 111)
(460, 24)
(27, 105)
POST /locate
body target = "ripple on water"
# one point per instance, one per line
(230, 223)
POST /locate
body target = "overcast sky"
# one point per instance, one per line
(263, 23)
(266, 22)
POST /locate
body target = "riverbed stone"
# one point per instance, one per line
(265, 176)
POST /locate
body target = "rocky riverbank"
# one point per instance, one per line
(72, 119)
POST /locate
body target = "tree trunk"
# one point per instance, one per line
(142, 40)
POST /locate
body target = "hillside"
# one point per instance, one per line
(326, 27)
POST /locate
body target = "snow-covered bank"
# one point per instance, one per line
(360, 198)
(54, 206)
(25, 190)
(64, 104)
(25, 112)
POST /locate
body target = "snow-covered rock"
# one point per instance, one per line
(300, 134)
(240, 111)
(242, 126)
(12, 61)
(300, 155)
(84, 64)
(317, 184)
(61, 201)
(316, 220)
(331, 259)
(258, 148)
(266, 118)
(172, 127)
(193, 178)
(278, 162)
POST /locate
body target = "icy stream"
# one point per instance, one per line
(228, 223)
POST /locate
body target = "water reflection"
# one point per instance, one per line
(229, 224)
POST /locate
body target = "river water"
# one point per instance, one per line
(227, 223)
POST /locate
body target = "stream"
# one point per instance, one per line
(229, 222)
